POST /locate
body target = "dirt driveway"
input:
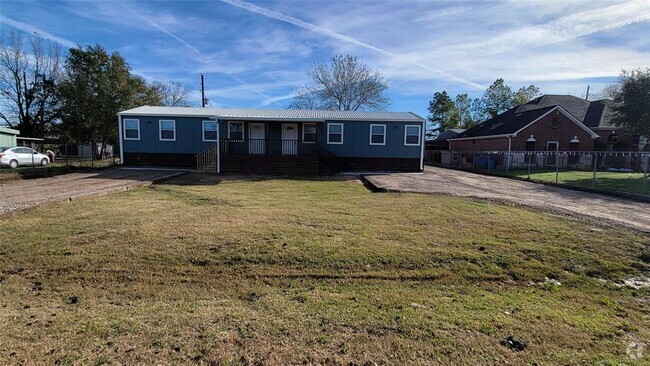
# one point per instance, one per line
(601, 208)
(22, 194)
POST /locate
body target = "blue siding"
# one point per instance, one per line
(356, 137)
(189, 137)
(356, 141)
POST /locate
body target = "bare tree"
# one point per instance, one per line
(29, 75)
(173, 93)
(343, 84)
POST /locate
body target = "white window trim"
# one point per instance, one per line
(553, 142)
(203, 131)
(328, 133)
(383, 134)
(243, 128)
(160, 129)
(419, 135)
(303, 133)
(124, 127)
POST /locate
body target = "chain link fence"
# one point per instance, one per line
(64, 158)
(615, 171)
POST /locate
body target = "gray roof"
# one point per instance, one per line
(450, 133)
(593, 114)
(9, 131)
(274, 114)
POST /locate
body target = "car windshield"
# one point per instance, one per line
(3, 149)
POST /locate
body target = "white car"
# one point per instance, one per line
(17, 156)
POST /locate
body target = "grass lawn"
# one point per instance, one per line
(609, 181)
(323, 272)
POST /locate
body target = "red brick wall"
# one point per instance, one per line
(562, 131)
(563, 134)
(493, 144)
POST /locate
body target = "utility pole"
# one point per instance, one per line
(202, 92)
(587, 96)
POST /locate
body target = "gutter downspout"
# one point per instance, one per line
(509, 153)
(119, 128)
(422, 149)
(216, 119)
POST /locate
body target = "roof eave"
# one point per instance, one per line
(503, 135)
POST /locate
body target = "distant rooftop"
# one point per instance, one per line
(274, 114)
(593, 114)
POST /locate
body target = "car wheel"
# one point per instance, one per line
(44, 162)
(13, 164)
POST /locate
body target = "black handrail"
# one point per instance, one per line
(268, 147)
(328, 163)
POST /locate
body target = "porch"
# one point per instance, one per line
(268, 157)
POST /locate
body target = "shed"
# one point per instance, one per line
(8, 136)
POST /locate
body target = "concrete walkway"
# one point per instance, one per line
(596, 207)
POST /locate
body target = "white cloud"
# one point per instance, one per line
(341, 37)
(29, 28)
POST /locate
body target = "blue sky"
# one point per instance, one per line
(254, 54)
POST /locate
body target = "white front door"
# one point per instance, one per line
(289, 139)
(256, 142)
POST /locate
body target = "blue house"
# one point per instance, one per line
(250, 141)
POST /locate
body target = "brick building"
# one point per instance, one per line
(547, 123)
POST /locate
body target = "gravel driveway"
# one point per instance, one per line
(597, 207)
(22, 194)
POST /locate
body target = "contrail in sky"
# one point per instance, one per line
(341, 37)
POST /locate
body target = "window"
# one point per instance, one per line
(377, 134)
(167, 130)
(132, 129)
(309, 132)
(236, 131)
(210, 130)
(411, 135)
(335, 133)
(574, 145)
(530, 145)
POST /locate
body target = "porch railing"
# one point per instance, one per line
(206, 157)
(268, 147)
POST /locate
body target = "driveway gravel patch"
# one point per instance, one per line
(592, 206)
(22, 194)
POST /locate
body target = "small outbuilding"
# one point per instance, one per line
(8, 136)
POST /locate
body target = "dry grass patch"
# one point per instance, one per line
(292, 271)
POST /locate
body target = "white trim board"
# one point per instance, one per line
(419, 135)
(203, 130)
(124, 129)
(328, 133)
(160, 130)
(383, 135)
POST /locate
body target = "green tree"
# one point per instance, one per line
(344, 84)
(499, 97)
(463, 105)
(632, 102)
(443, 114)
(525, 95)
(96, 87)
